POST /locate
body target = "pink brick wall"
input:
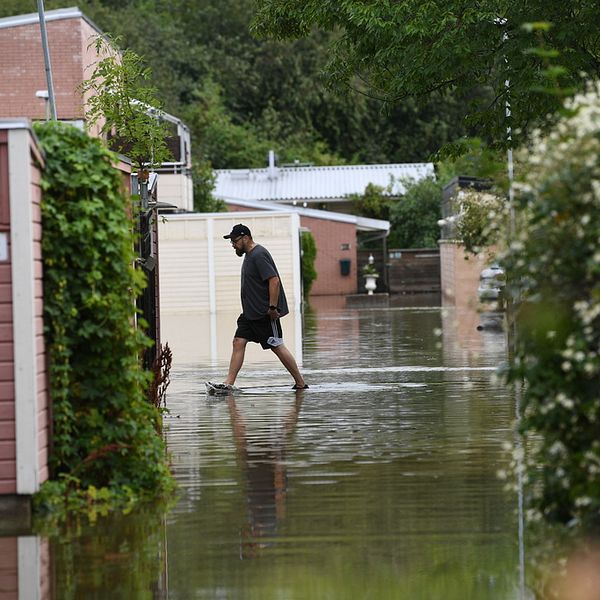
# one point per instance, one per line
(23, 71)
(329, 238)
(459, 277)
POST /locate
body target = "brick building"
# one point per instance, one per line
(23, 72)
(71, 35)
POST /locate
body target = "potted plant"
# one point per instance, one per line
(371, 275)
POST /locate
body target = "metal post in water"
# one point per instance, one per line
(51, 99)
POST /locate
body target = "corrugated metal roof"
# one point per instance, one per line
(282, 184)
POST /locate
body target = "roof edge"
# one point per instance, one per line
(362, 223)
(57, 14)
(15, 123)
(386, 166)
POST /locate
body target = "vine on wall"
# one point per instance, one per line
(105, 440)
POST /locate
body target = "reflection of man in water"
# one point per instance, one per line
(263, 303)
(263, 460)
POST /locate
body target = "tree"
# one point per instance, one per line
(372, 203)
(397, 50)
(119, 98)
(274, 89)
(414, 217)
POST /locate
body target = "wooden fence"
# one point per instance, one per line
(405, 271)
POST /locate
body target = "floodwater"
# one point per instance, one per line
(379, 482)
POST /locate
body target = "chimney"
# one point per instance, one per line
(272, 170)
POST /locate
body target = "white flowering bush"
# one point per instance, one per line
(479, 217)
(553, 267)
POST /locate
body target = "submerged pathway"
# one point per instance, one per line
(378, 482)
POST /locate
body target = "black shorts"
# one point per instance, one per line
(259, 330)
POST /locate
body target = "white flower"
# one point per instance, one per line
(516, 246)
(564, 401)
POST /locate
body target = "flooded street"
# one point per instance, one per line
(377, 482)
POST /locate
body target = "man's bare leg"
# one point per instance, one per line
(289, 362)
(237, 359)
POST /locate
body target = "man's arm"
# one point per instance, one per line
(274, 286)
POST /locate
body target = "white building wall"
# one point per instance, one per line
(200, 282)
(176, 189)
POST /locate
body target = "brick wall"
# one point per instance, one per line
(459, 276)
(23, 69)
(330, 237)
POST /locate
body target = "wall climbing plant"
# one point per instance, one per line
(105, 431)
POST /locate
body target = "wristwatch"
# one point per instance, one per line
(273, 307)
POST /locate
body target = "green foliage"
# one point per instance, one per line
(373, 203)
(482, 216)
(471, 157)
(370, 269)
(120, 100)
(414, 217)
(104, 430)
(274, 91)
(553, 267)
(414, 49)
(15, 7)
(309, 255)
(121, 556)
(203, 180)
(227, 144)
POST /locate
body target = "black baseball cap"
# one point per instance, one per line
(237, 231)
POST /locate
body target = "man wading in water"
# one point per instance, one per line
(263, 303)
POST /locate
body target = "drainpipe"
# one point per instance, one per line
(51, 100)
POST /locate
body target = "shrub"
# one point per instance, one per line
(414, 217)
(553, 267)
(478, 216)
(309, 254)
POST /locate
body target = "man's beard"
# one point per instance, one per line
(239, 252)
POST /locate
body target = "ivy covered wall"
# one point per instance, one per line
(105, 431)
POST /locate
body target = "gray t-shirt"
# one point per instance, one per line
(258, 267)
